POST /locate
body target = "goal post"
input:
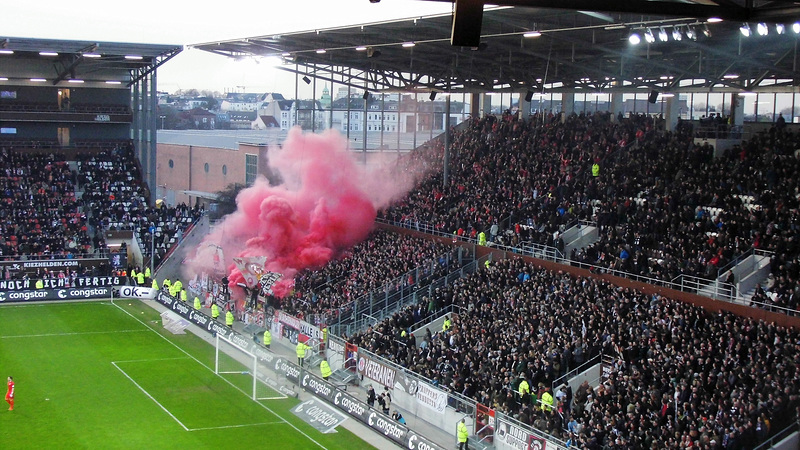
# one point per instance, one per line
(234, 359)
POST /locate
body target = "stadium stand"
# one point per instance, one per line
(114, 192)
(41, 216)
(664, 206)
(681, 377)
(368, 267)
(58, 205)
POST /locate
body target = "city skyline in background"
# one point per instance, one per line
(152, 22)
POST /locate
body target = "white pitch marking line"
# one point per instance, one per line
(81, 333)
(150, 396)
(236, 426)
(223, 378)
(148, 360)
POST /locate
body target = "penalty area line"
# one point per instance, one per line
(150, 396)
(79, 333)
(149, 360)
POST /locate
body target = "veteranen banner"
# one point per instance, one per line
(376, 371)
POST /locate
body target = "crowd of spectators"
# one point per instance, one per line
(374, 265)
(170, 223)
(682, 377)
(56, 209)
(664, 205)
(39, 213)
(112, 187)
(116, 196)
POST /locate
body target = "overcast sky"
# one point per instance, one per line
(179, 22)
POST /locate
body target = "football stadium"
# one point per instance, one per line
(529, 225)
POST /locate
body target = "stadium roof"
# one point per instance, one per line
(586, 49)
(84, 60)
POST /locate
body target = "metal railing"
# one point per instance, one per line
(779, 436)
(362, 321)
(718, 131)
(718, 290)
(526, 248)
(736, 260)
(726, 292)
(458, 401)
(563, 379)
(102, 253)
(350, 317)
(535, 250)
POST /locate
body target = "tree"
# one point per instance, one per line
(188, 93)
(226, 201)
(170, 117)
(210, 93)
(210, 104)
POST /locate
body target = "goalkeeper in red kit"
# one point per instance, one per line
(10, 394)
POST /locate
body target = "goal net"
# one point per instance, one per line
(236, 363)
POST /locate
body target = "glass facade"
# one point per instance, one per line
(250, 169)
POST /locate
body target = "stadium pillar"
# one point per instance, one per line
(486, 104)
(567, 104)
(135, 136)
(737, 110)
(366, 108)
(524, 105)
(153, 126)
(144, 142)
(143, 122)
(474, 105)
(446, 164)
(671, 113)
(616, 105)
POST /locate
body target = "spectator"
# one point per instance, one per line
(398, 417)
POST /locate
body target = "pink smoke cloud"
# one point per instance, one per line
(326, 204)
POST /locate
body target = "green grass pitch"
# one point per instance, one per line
(101, 375)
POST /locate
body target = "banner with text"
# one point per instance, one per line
(197, 318)
(431, 398)
(300, 326)
(137, 292)
(61, 283)
(510, 435)
(54, 294)
(32, 267)
(319, 415)
(376, 371)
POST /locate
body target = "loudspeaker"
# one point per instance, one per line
(366, 95)
(467, 21)
(432, 97)
(529, 96)
(653, 96)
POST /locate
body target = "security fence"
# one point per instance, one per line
(437, 404)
